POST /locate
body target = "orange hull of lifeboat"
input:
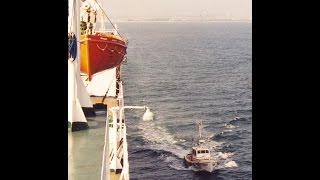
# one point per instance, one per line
(101, 51)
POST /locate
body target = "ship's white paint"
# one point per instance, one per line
(83, 95)
(75, 113)
(102, 82)
(105, 168)
(117, 141)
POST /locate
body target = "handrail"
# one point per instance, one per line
(105, 169)
(125, 171)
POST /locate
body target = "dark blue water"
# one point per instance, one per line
(186, 72)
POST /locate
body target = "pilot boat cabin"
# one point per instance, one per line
(200, 153)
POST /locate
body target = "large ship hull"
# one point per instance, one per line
(101, 51)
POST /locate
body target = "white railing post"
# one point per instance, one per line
(105, 170)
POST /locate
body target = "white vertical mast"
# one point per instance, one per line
(200, 128)
(75, 113)
(71, 82)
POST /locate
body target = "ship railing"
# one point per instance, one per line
(105, 169)
(125, 171)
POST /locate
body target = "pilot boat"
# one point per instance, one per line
(200, 156)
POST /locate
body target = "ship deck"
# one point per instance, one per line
(85, 148)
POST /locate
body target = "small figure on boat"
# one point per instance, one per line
(200, 157)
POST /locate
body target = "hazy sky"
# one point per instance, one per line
(171, 8)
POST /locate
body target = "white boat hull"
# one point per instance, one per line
(201, 165)
(204, 166)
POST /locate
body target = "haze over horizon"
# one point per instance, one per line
(220, 9)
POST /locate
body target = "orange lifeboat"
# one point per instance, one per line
(101, 51)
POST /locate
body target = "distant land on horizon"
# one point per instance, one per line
(181, 19)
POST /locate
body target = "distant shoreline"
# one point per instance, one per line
(178, 21)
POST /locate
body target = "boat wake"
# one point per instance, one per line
(172, 150)
(158, 138)
(224, 160)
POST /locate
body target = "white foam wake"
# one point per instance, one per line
(158, 138)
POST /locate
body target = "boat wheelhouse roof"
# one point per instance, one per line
(200, 148)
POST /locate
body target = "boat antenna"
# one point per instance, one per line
(200, 128)
(108, 18)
